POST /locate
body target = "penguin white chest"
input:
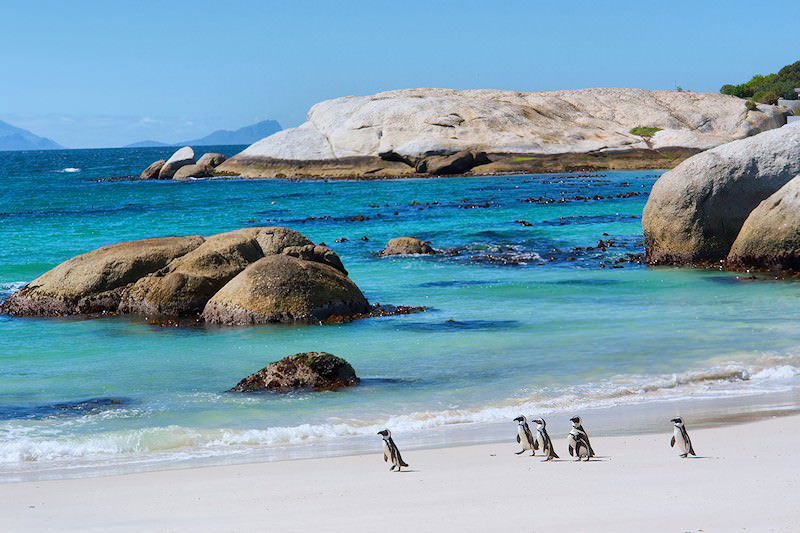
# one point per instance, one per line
(680, 442)
(387, 452)
(523, 438)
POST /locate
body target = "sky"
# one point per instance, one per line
(108, 73)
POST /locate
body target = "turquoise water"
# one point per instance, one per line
(523, 319)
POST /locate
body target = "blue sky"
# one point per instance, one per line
(92, 73)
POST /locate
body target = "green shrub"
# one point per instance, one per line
(781, 84)
(641, 131)
(767, 97)
(750, 105)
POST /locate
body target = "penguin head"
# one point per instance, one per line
(385, 433)
(521, 419)
(576, 420)
(678, 421)
(540, 421)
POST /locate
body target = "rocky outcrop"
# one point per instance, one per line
(319, 254)
(282, 288)
(92, 282)
(211, 160)
(203, 168)
(247, 276)
(457, 163)
(181, 158)
(407, 246)
(318, 371)
(389, 134)
(770, 237)
(151, 172)
(695, 211)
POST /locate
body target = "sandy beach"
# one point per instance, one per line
(746, 478)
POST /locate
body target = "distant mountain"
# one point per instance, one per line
(146, 144)
(13, 138)
(245, 135)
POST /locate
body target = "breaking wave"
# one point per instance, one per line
(20, 443)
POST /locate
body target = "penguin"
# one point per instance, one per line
(578, 440)
(682, 438)
(543, 440)
(390, 451)
(524, 435)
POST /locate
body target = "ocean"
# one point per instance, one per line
(542, 307)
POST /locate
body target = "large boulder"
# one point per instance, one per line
(319, 254)
(407, 246)
(151, 172)
(181, 158)
(696, 210)
(318, 371)
(251, 275)
(91, 283)
(347, 136)
(192, 171)
(211, 160)
(183, 288)
(770, 237)
(203, 168)
(282, 288)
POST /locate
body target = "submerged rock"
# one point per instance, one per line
(407, 246)
(319, 371)
(696, 210)
(770, 237)
(282, 288)
(151, 172)
(181, 158)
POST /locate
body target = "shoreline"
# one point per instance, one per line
(637, 482)
(637, 418)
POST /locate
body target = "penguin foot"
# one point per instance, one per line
(533, 455)
(684, 455)
(519, 453)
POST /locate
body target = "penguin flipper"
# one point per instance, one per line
(385, 458)
(672, 442)
(518, 441)
(535, 444)
(571, 454)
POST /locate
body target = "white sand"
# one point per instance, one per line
(748, 479)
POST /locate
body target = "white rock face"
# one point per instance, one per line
(420, 122)
(181, 158)
(695, 211)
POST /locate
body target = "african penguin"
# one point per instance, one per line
(681, 437)
(524, 435)
(578, 440)
(543, 440)
(390, 451)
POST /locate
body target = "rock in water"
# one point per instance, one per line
(282, 288)
(181, 158)
(211, 160)
(696, 210)
(91, 283)
(203, 168)
(183, 288)
(319, 254)
(239, 277)
(770, 237)
(407, 246)
(151, 172)
(391, 132)
(319, 371)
